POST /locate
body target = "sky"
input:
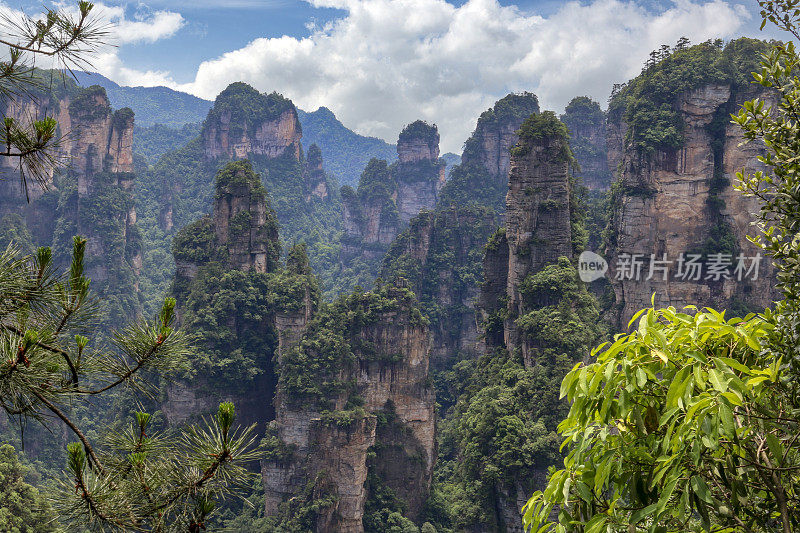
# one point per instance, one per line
(381, 64)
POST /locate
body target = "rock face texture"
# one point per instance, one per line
(315, 180)
(241, 223)
(678, 207)
(587, 126)
(241, 235)
(440, 254)
(419, 173)
(96, 139)
(496, 133)
(90, 195)
(538, 229)
(328, 446)
(389, 196)
(537, 235)
(267, 126)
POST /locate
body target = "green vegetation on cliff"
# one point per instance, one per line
(419, 129)
(501, 436)
(648, 103)
(245, 109)
(310, 373)
(179, 190)
(511, 108)
(102, 215)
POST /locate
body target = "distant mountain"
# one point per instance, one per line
(345, 153)
(152, 105)
(451, 160)
(154, 141)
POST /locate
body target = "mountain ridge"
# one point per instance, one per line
(345, 151)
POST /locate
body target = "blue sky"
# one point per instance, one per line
(380, 64)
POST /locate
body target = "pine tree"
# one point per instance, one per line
(53, 357)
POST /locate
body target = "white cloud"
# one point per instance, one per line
(386, 63)
(146, 27)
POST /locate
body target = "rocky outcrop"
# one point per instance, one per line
(586, 123)
(102, 139)
(315, 180)
(325, 444)
(677, 215)
(89, 191)
(241, 235)
(516, 305)
(241, 220)
(538, 229)
(419, 173)
(496, 133)
(389, 196)
(94, 139)
(439, 255)
(370, 216)
(267, 125)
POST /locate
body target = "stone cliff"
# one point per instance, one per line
(496, 133)
(233, 255)
(537, 319)
(440, 256)
(538, 204)
(315, 179)
(91, 194)
(419, 173)
(440, 253)
(365, 407)
(388, 197)
(244, 122)
(264, 129)
(676, 214)
(586, 123)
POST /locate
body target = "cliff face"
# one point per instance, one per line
(266, 125)
(371, 411)
(538, 229)
(439, 254)
(315, 180)
(679, 205)
(538, 320)
(232, 255)
(91, 195)
(419, 174)
(529, 296)
(496, 133)
(240, 223)
(586, 123)
(389, 196)
(95, 139)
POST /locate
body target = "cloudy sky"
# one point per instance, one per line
(380, 64)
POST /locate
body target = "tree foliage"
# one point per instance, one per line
(23, 509)
(680, 425)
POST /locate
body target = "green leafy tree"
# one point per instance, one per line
(681, 425)
(23, 509)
